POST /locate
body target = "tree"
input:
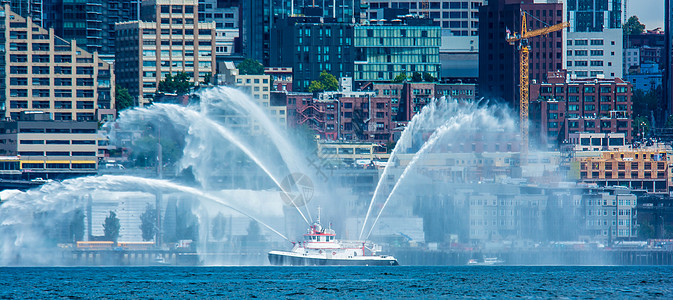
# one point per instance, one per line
(111, 227)
(207, 78)
(250, 67)
(644, 102)
(416, 77)
(325, 82)
(669, 122)
(178, 84)
(428, 77)
(148, 222)
(400, 78)
(123, 99)
(218, 227)
(77, 226)
(633, 26)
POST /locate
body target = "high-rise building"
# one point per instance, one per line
(311, 45)
(384, 51)
(460, 17)
(40, 71)
(499, 61)
(667, 106)
(259, 17)
(27, 8)
(595, 39)
(169, 39)
(226, 17)
(90, 23)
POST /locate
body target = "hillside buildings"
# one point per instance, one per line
(169, 39)
(42, 72)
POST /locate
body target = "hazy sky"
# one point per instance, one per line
(649, 12)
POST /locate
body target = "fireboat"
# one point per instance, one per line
(321, 248)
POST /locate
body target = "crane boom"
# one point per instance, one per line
(524, 81)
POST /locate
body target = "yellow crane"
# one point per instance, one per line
(524, 49)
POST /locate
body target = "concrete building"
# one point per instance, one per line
(595, 46)
(631, 59)
(561, 108)
(384, 50)
(226, 16)
(461, 18)
(595, 54)
(499, 61)
(51, 149)
(41, 71)
(169, 39)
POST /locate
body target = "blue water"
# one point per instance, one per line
(336, 282)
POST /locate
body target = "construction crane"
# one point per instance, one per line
(425, 8)
(524, 49)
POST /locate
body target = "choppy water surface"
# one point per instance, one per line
(337, 282)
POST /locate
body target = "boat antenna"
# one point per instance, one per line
(318, 214)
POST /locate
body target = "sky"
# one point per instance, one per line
(649, 12)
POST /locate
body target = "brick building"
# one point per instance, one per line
(499, 61)
(560, 107)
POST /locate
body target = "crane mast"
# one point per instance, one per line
(524, 74)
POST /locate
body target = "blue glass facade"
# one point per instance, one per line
(385, 51)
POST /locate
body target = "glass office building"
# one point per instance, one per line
(385, 51)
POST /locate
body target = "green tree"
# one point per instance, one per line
(325, 82)
(123, 99)
(644, 102)
(148, 222)
(178, 84)
(428, 77)
(250, 67)
(669, 122)
(416, 77)
(633, 26)
(111, 227)
(400, 78)
(207, 78)
(218, 227)
(76, 226)
(645, 230)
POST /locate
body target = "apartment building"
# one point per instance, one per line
(169, 39)
(645, 169)
(560, 108)
(259, 88)
(40, 71)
